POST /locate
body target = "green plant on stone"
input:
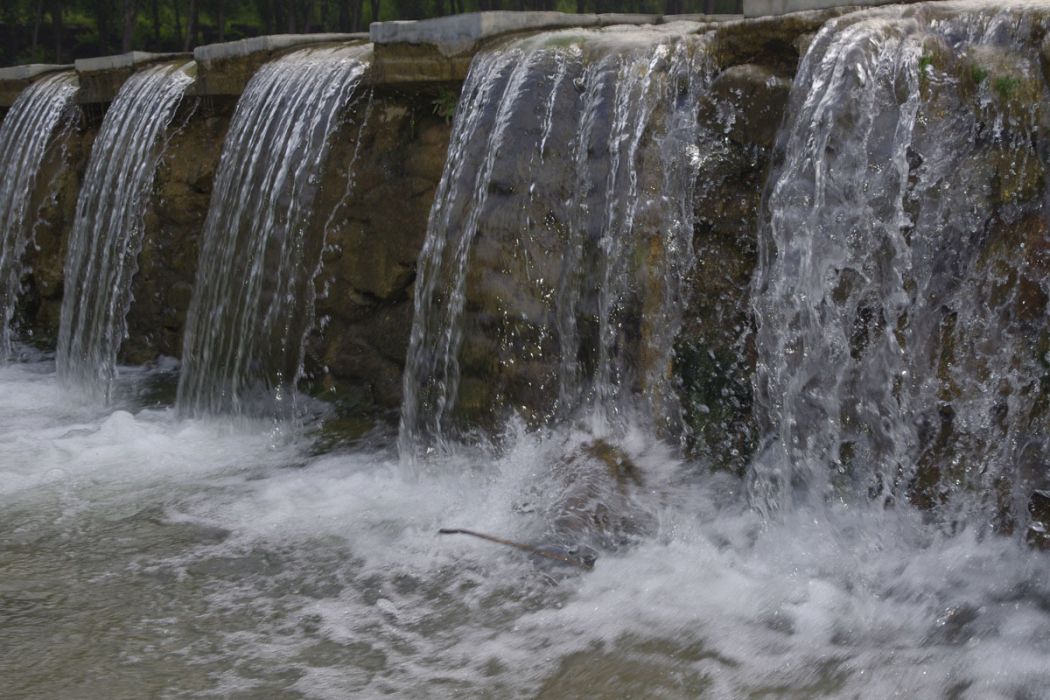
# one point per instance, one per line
(925, 66)
(978, 74)
(1006, 86)
(444, 105)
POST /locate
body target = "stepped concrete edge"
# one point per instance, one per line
(412, 51)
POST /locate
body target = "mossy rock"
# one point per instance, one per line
(1005, 81)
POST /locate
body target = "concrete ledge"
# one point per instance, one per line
(433, 50)
(439, 50)
(762, 8)
(613, 18)
(132, 60)
(668, 19)
(101, 78)
(17, 78)
(213, 53)
(460, 34)
(31, 71)
(224, 69)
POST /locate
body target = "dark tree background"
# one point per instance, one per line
(58, 31)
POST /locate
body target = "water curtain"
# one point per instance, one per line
(108, 228)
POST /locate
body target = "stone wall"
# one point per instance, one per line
(173, 222)
(396, 145)
(55, 198)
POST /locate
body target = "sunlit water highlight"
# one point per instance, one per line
(148, 556)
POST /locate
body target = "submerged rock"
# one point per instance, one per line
(588, 503)
(1038, 535)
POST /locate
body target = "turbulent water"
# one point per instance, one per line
(102, 254)
(27, 132)
(147, 555)
(260, 252)
(900, 311)
(562, 225)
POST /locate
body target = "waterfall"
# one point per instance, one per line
(26, 132)
(104, 244)
(903, 279)
(559, 234)
(252, 304)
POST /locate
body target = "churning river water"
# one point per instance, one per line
(144, 555)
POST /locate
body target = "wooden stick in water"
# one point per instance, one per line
(518, 545)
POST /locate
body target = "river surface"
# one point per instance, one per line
(144, 555)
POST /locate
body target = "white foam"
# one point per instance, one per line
(49, 435)
(325, 575)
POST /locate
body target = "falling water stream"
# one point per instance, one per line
(28, 130)
(874, 547)
(103, 249)
(253, 302)
(569, 225)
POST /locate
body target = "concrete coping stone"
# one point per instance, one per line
(459, 34)
(456, 35)
(668, 19)
(764, 8)
(613, 18)
(131, 60)
(31, 71)
(211, 53)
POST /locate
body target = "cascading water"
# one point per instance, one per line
(903, 281)
(901, 335)
(25, 135)
(253, 301)
(559, 234)
(107, 231)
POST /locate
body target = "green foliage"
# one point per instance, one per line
(925, 61)
(1006, 86)
(978, 74)
(444, 105)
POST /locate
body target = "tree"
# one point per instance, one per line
(55, 10)
(155, 14)
(38, 18)
(192, 26)
(175, 4)
(131, 11)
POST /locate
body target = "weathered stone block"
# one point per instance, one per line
(17, 78)
(101, 78)
(224, 69)
(461, 34)
(1038, 534)
(761, 8)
